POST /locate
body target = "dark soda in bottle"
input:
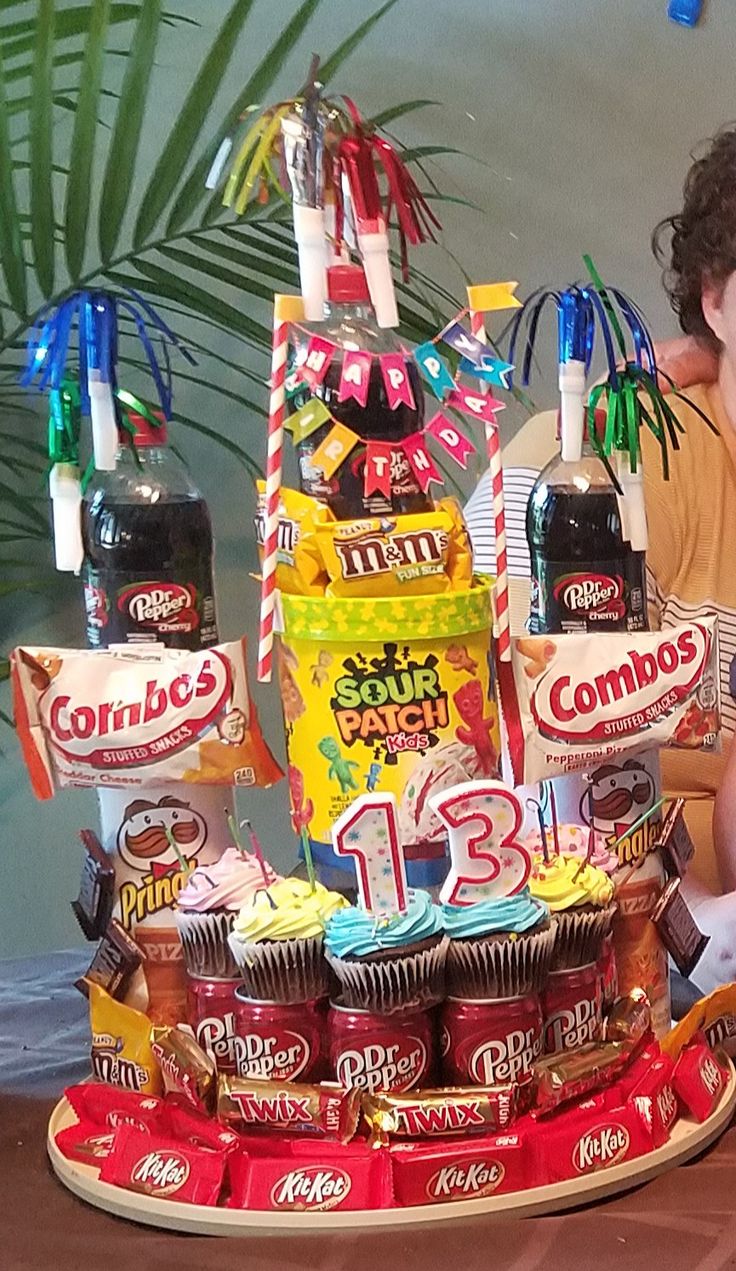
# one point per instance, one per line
(585, 574)
(148, 566)
(350, 324)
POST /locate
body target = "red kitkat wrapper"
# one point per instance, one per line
(587, 1139)
(318, 1182)
(655, 1100)
(699, 1079)
(197, 1131)
(442, 1172)
(163, 1167)
(85, 1142)
(111, 1106)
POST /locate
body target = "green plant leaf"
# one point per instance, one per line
(329, 68)
(82, 151)
(212, 269)
(123, 151)
(181, 140)
(193, 192)
(200, 301)
(226, 442)
(41, 149)
(11, 242)
(284, 273)
(403, 108)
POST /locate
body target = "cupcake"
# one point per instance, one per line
(498, 948)
(580, 899)
(277, 941)
(207, 907)
(574, 840)
(386, 965)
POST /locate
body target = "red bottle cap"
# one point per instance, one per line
(346, 284)
(145, 433)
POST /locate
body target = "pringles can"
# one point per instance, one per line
(381, 1052)
(277, 1042)
(490, 1043)
(387, 695)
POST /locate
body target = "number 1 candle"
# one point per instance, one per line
(483, 819)
(369, 831)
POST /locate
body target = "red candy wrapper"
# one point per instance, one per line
(197, 1131)
(108, 1107)
(443, 1172)
(428, 1113)
(655, 1100)
(699, 1079)
(352, 1178)
(587, 1139)
(324, 1111)
(187, 1071)
(86, 1143)
(163, 1167)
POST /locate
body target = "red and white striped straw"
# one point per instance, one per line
(493, 450)
(286, 309)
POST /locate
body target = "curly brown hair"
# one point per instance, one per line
(702, 237)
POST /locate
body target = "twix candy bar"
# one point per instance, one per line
(324, 1111)
(454, 1110)
(569, 1075)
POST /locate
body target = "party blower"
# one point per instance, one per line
(89, 388)
(333, 162)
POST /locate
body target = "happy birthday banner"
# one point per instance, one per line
(476, 359)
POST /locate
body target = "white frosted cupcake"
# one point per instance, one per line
(208, 904)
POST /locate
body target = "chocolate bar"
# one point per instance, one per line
(678, 930)
(93, 906)
(116, 958)
(422, 1114)
(674, 840)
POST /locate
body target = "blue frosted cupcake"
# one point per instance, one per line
(498, 948)
(384, 966)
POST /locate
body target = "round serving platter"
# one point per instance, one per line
(687, 1140)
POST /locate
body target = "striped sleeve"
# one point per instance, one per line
(517, 486)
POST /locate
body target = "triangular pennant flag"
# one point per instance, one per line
(457, 445)
(334, 450)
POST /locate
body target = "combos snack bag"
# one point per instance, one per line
(121, 1053)
(138, 717)
(418, 554)
(298, 515)
(579, 700)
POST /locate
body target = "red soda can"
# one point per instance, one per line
(380, 1052)
(572, 1003)
(211, 1013)
(275, 1042)
(608, 972)
(489, 1043)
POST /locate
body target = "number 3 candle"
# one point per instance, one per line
(368, 830)
(482, 819)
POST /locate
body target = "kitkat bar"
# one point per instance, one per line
(446, 1171)
(163, 1168)
(85, 1143)
(699, 1079)
(333, 1180)
(583, 1140)
(110, 1106)
(653, 1096)
(198, 1131)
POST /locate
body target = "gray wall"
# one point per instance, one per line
(579, 115)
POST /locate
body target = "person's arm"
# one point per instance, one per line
(724, 824)
(686, 361)
(716, 917)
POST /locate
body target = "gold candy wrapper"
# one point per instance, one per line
(454, 1110)
(186, 1069)
(569, 1075)
(714, 1015)
(328, 1112)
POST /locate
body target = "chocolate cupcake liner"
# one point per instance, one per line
(284, 971)
(393, 983)
(204, 941)
(482, 969)
(580, 936)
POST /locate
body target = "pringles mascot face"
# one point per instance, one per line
(142, 841)
(619, 795)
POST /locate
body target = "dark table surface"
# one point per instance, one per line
(683, 1221)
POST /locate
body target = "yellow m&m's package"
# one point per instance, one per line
(121, 1053)
(298, 515)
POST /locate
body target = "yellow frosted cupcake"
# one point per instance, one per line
(580, 898)
(277, 939)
